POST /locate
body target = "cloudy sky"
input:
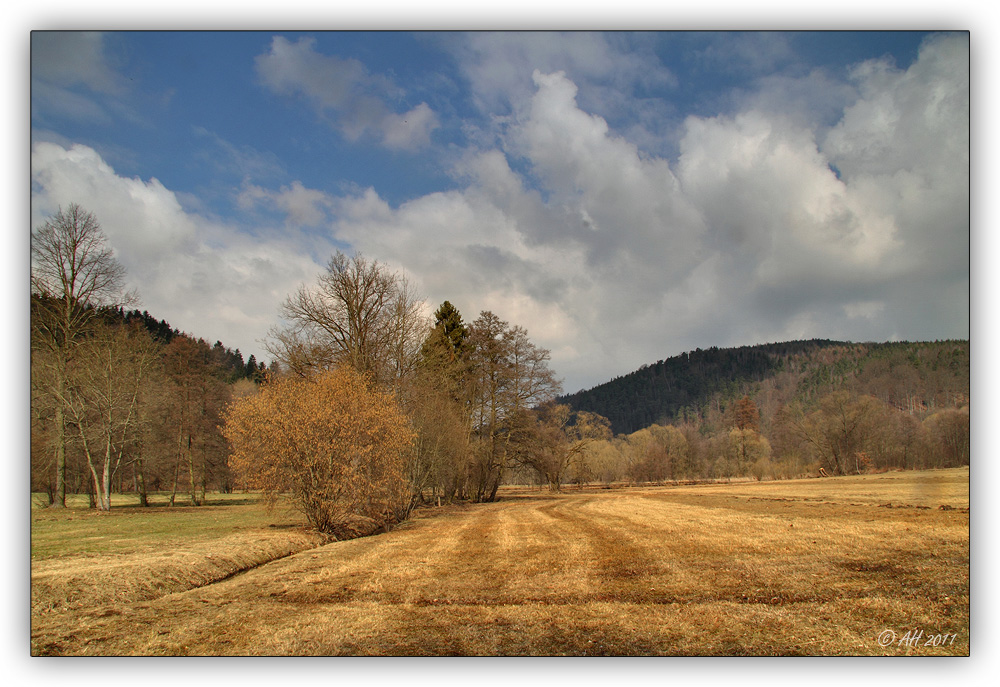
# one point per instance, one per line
(625, 197)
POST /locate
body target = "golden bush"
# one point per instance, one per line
(336, 445)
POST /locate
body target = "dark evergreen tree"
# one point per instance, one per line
(450, 322)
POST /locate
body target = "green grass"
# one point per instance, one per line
(79, 530)
(40, 501)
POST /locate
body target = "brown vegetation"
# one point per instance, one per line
(336, 445)
(817, 567)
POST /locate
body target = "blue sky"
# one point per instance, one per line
(623, 196)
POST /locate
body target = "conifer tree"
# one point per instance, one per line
(449, 320)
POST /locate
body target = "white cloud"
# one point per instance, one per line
(303, 207)
(210, 279)
(772, 201)
(608, 69)
(904, 145)
(907, 119)
(410, 130)
(344, 89)
(768, 227)
(618, 259)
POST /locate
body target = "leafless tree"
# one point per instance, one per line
(550, 437)
(841, 428)
(101, 398)
(508, 374)
(360, 314)
(73, 274)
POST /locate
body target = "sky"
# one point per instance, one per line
(623, 196)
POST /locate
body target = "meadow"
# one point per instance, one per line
(862, 565)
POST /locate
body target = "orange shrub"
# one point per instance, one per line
(336, 445)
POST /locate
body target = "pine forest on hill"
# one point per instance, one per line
(909, 376)
(783, 410)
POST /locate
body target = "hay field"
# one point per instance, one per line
(871, 565)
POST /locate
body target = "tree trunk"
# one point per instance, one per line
(204, 479)
(60, 495)
(140, 482)
(177, 470)
(554, 482)
(194, 484)
(496, 486)
(104, 499)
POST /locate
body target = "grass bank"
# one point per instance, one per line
(85, 559)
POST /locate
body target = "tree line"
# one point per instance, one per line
(371, 407)
(841, 433)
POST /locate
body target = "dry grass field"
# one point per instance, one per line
(871, 565)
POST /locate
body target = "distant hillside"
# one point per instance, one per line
(907, 375)
(227, 364)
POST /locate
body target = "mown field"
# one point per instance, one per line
(869, 565)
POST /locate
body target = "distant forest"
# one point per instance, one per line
(914, 377)
(227, 364)
(783, 410)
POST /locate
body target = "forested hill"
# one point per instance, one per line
(226, 364)
(900, 373)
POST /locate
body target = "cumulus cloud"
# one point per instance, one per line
(209, 279)
(355, 100)
(608, 69)
(766, 227)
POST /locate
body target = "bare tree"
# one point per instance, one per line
(508, 375)
(550, 437)
(359, 314)
(73, 274)
(101, 397)
(840, 429)
(193, 398)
